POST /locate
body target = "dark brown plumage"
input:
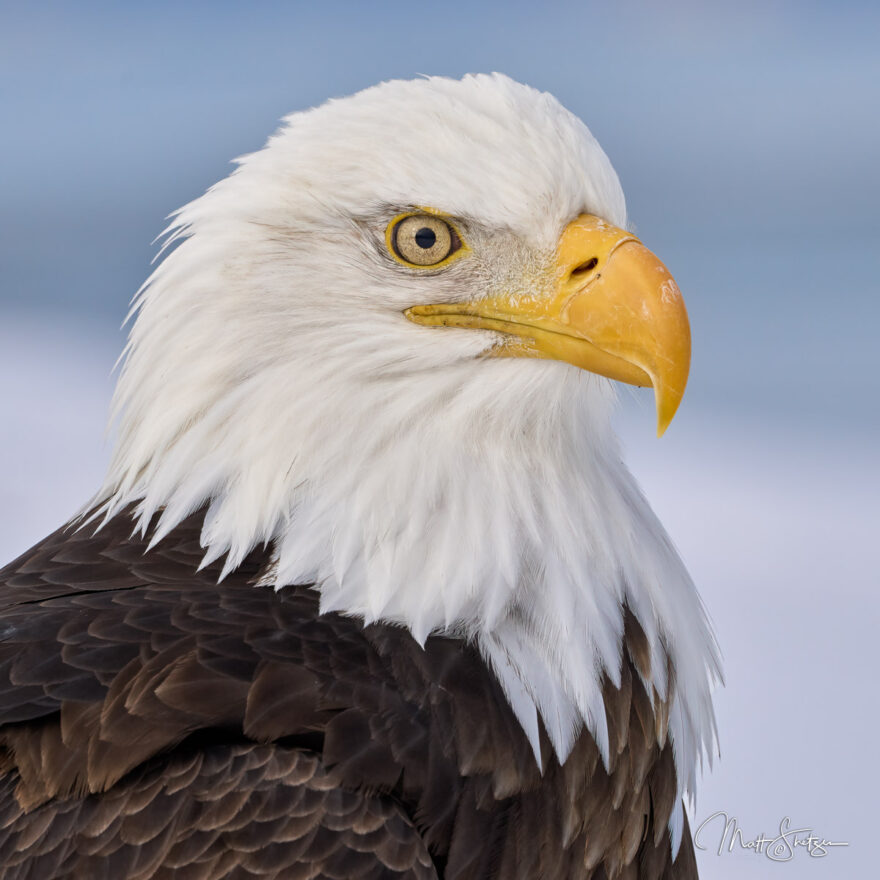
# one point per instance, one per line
(158, 724)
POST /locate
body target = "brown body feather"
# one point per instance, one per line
(155, 723)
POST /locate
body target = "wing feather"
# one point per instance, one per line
(156, 722)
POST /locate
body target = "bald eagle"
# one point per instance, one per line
(368, 591)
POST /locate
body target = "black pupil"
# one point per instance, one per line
(426, 238)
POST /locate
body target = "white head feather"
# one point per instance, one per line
(272, 374)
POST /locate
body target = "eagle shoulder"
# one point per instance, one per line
(125, 666)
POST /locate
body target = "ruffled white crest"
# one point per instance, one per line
(271, 374)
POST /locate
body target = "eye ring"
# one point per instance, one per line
(423, 240)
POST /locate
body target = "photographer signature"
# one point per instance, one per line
(778, 849)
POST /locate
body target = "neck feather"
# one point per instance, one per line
(480, 502)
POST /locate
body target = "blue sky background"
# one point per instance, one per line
(747, 138)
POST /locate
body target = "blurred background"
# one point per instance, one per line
(747, 138)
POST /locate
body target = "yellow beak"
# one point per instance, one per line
(612, 308)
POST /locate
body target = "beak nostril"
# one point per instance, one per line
(585, 267)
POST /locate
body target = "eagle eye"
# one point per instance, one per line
(422, 240)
